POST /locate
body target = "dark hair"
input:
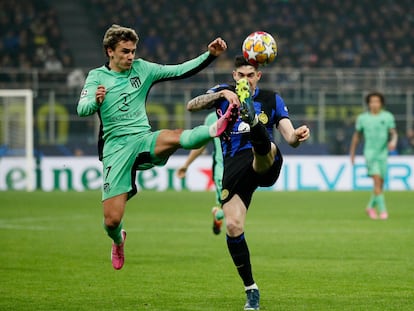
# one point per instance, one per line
(241, 61)
(377, 94)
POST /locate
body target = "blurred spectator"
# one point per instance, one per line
(319, 33)
(76, 79)
(407, 142)
(29, 33)
(52, 63)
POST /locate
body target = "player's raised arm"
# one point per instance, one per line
(217, 47)
(293, 136)
(206, 101)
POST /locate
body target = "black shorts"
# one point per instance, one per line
(240, 178)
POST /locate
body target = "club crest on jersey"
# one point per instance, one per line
(135, 82)
(263, 118)
(224, 194)
(106, 187)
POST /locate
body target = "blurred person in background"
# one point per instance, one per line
(217, 169)
(377, 127)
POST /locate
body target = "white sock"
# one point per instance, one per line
(253, 286)
(213, 129)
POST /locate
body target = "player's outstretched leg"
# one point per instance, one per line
(258, 134)
(117, 254)
(202, 134)
(247, 112)
(225, 121)
(218, 216)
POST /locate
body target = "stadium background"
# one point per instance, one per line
(311, 250)
(331, 53)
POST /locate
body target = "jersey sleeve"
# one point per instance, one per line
(87, 104)
(281, 109)
(391, 121)
(218, 88)
(359, 124)
(184, 70)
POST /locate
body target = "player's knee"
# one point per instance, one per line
(234, 227)
(113, 216)
(262, 163)
(112, 221)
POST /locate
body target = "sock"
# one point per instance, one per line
(381, 203)
(260, 139)
(241, 257)
(196, 137)
(115, 233)
(253, 286)
(372, 201)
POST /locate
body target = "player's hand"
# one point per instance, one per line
(217, 47)
(100, 94)
(392, 146)
(302, 133)
(231, 97)
(181, 172)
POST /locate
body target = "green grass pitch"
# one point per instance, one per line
(309, 250)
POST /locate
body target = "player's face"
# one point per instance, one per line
(374, 104)
(121, 58)
(248, 72)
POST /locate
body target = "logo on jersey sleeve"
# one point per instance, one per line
(84, 93)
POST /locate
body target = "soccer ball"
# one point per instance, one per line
(259, 48)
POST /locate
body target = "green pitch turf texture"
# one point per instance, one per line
(310, 251)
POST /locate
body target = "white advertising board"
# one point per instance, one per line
(307, 173)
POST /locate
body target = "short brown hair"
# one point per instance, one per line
(116, 34)
(377, 94)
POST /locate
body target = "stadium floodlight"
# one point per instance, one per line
(16, 129)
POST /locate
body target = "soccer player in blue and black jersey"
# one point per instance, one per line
(251, 157)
